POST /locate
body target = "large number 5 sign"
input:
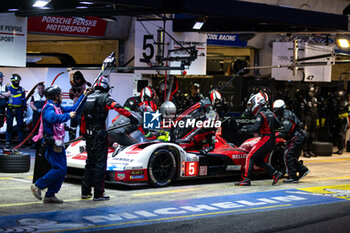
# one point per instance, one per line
(191, 169)
(147, 45)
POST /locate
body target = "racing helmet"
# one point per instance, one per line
(214, 96)
(341, 95)
(52, 92)
(147, 93)
(278, 107)
(15, 78)
(1, 75)
(257, 102)
(311, 91)
(102, 84)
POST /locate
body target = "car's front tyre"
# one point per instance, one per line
(161, 167)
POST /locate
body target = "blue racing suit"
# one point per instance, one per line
(15, 109)
(53, 179)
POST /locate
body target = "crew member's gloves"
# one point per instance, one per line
(133, 120)
(163, 136)
(204, 151)
(39, 110)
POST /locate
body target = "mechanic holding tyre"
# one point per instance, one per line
(265, 124)
(293, 132)
(52, 133)
(93, 128)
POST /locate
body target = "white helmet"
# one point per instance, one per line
(256, 102)
(215, 96)
(278, 106)
(147, 93)
(102, 82)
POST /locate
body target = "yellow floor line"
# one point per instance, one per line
(40, 202)
(328, 178)
(325, 160)
(176, 217)
(26, 187)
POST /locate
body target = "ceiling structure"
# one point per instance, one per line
(220, 15)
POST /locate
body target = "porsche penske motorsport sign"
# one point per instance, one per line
(13, 40)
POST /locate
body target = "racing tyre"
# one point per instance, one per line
(322, 148)
(14, 163)
(276, 159)
(161, 167)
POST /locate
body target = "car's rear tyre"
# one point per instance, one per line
(276, 159)
(14, 163)
(161, 167)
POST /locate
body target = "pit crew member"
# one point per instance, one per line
(266, 122)
(293, 132)
(93, 128)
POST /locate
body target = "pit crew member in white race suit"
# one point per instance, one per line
(93, 128)
(294, 133)
(265, 124)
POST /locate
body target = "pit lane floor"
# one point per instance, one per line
(199, 203)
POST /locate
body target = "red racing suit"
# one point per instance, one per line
(265, 124)
(200, 138)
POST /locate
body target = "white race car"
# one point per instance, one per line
(159, 163)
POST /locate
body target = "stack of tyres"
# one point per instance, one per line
(14, 162)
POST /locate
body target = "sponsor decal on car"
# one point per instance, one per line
(137, 177)
(121, 176)
(240, 156)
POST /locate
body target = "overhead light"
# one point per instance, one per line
(86, 3)
(14, 9)
(199, 23)
(343, 42)
(41, 3)
(109, 18)
(81, 7)
(79, 17)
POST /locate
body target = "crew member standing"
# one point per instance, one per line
(265, 124)
(341, 121)
(309, 117)
(36, 103)
(194, 97)
(79, 84)
(16, 108)
(293, 132)
(93, 128)
(52, 134)
(3, 100)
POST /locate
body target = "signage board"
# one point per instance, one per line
(13, 40)
(73, 26)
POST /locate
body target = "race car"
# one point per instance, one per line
(160, 163)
